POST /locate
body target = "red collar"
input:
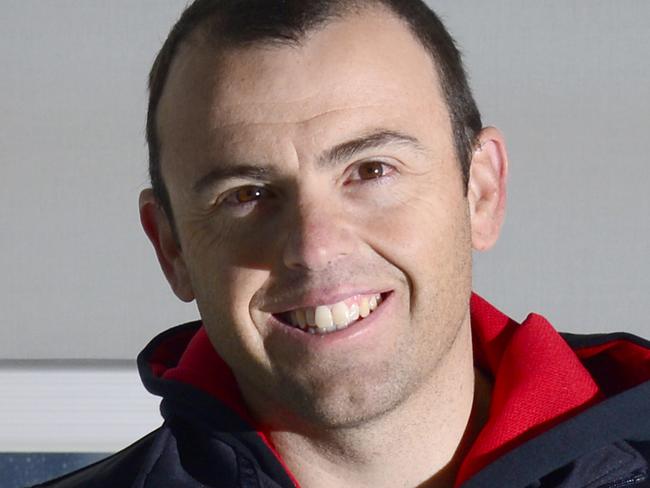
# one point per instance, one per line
(538, 381)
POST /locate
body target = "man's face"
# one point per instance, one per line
(358, 192)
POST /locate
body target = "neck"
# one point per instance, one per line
(419, 444)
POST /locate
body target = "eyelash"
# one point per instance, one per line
(380, 180)
(225, 201)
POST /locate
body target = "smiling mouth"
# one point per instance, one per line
(325, 319)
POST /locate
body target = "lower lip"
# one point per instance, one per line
(358, 329)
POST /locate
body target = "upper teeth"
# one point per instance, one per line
(328, 318)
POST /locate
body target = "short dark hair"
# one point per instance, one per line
(241, 22)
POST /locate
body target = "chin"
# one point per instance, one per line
(355, 400)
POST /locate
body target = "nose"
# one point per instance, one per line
(318, 235)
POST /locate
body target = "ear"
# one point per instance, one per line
(157, 226)
(487, 188)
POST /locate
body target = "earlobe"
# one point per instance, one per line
(158, 228)
(487, 188)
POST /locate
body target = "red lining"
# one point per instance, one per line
(167, 352)
(538, 380)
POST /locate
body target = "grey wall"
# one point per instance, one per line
(567, 82)
(78, 276)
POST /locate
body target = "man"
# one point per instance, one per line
(320, 177)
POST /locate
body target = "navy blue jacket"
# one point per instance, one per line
(203, 443)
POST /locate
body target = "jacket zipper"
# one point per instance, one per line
(628, 482)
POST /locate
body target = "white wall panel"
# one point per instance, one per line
(67, 407)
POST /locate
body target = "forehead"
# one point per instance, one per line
(365, 67)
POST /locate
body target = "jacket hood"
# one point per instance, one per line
(540, 378)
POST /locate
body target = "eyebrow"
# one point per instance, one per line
(375, 139)
(330, 157)
(221, 173)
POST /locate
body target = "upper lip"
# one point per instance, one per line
(313, 298)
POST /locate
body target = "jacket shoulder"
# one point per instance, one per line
(119, 469)
(579, 341)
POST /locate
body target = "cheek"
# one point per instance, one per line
(225, 274)
(238, 244)
(422, 224)
(223, 295)
(426, 235)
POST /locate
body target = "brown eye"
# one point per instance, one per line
(371, 170)
(248, 194)
(245, 194)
